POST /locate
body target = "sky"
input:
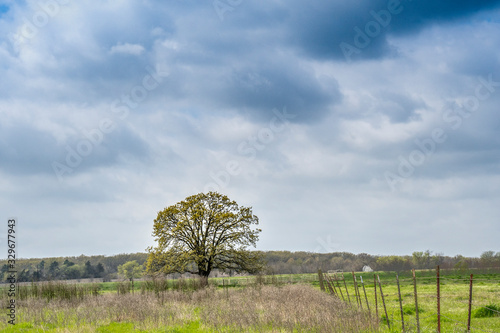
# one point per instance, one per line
(369, 126)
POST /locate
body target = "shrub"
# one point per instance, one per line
(491, 310)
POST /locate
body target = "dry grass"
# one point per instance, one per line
(291, 308)
(287, 308)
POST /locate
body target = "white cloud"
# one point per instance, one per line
(133, 49)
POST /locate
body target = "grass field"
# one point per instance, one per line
(454, 301)
(285, 303)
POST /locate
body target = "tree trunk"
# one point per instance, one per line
(204, 278)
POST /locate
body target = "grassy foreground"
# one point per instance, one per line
(289, 308)
(287, 303)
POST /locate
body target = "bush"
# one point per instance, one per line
(409, 309)
(491, 310)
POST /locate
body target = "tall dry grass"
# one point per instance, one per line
(289, 308)
(55, 290)
(297, 308)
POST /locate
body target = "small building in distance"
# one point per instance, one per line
(367, 268)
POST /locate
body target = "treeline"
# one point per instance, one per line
(70, 268)
(284, 262)
(278, 262)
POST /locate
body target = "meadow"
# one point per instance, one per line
(280, 303)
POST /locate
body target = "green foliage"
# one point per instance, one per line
(202, 233)
(130, 270)
(409, 309)
(491, 310)
(393, 263)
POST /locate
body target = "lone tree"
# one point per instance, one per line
(202, 233)
(130, 270)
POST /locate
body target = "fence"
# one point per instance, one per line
(401, 308)
(265, 279)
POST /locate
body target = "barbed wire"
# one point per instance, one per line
(459, 322)
(486, 307)
(428, 294)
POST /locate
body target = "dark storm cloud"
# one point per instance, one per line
(319, 28)
(256, 89)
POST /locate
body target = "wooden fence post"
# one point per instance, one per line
(320, 276)
(331, 285)
(416, 300)
(356, 290)
(347, 291)
(339, 287)
(366, 298)
(383, 302)
(438, 300)
(470, 303)
(328, 284)
(400, 305)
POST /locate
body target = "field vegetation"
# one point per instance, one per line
(184, 307)
(278, 303)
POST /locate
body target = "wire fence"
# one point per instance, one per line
(422, 304)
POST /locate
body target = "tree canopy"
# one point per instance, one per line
(130, 270)
(202, 233)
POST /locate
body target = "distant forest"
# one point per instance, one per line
(278, 262)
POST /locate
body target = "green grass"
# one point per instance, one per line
(115, 327)
(454, 300)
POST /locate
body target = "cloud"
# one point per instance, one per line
(132, 49)
(318, 28)
(185, 90)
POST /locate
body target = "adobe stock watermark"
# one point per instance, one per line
(248, 149)
(120, 108)
(11, 286)
(454, 118)
(326, 245)
(48, 9)
(221, 7)
(372, 29)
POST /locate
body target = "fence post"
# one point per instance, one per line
(470, 303)
(366, 298)
(347, 291)
(438, 300)
(383, 302)
(320, 276)
(356, 290)
(416, 300)
(328, 284)
(340, 288)
(376, 301)
(333, 285)
(400, 305)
